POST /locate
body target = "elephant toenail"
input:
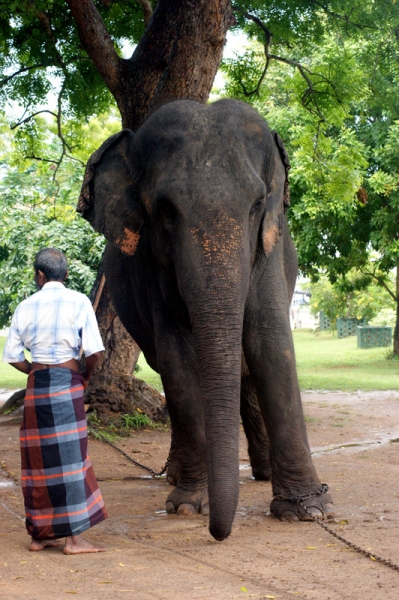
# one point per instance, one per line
(170, 509)
(205, 509)
(289, 516)
(186, 510)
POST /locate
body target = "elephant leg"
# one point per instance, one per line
(255, 431)
(269, 353)
(188, 450)
(174, 462)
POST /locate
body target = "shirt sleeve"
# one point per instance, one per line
(14, 347)
(91, 337)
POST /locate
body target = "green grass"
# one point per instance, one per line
(324, 363)
(10, 379)
(327, 363)
(148, 375)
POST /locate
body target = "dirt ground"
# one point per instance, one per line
(152, 555)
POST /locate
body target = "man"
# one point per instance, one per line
(61, 494)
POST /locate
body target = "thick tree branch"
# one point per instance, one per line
(147, 10)
(98, 43)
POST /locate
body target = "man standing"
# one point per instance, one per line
(61, 494)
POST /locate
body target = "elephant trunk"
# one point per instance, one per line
(217, 330)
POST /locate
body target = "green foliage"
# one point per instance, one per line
(38, 211)
(354, 296)
(41, 54)
(332, 96)
(137, 420)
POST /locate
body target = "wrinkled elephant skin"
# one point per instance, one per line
(201, 270)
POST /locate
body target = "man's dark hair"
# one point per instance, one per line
(52, 263)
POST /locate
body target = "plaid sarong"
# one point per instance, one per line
(60, 490)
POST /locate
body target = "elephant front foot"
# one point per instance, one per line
(319, 507)
(188, 502)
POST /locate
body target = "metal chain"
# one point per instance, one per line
(300, 501)
(135, 462)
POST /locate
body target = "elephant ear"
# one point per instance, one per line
(108, 198)
(278, 198)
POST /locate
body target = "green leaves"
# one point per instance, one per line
(37, 211)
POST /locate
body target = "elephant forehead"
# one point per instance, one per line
(210, 181)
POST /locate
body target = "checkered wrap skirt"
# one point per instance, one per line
(60, 490)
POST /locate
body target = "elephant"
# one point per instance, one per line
(201, 268)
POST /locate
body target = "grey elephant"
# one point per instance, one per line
(201, 269)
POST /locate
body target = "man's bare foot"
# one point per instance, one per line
(75, 544)
(38, 545)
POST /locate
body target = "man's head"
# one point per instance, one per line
(50, 265)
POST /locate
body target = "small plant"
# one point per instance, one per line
(137, 420)
(390, 355)
(92, 417)
(103, 434)
(311, 419)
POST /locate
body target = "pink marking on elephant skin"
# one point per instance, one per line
(128, 242)
(270, 238)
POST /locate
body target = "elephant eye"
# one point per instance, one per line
(167, 211)
(256, 206)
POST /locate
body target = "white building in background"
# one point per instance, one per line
(300, 317)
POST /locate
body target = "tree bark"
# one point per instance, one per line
(177, 57)
(113, 387)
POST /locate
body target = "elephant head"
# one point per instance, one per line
(205, 188)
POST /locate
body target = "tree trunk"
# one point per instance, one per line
(177, 57)
(396, 330)
(113, 387)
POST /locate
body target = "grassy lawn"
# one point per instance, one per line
(324, 363)
(327, 363)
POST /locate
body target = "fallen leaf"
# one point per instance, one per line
(105, 582)
(23, 562)
(121, 565)
(373, 558)
(311, 548)
(269, 596)
(243, 589)
(70, 592)
(343, 522)
(21, 577)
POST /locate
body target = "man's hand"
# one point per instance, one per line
(24, 366)
(91, 363)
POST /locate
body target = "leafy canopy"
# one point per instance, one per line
(37, 209)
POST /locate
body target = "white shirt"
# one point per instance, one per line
(53, 324)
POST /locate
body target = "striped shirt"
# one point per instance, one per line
(53, 324)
